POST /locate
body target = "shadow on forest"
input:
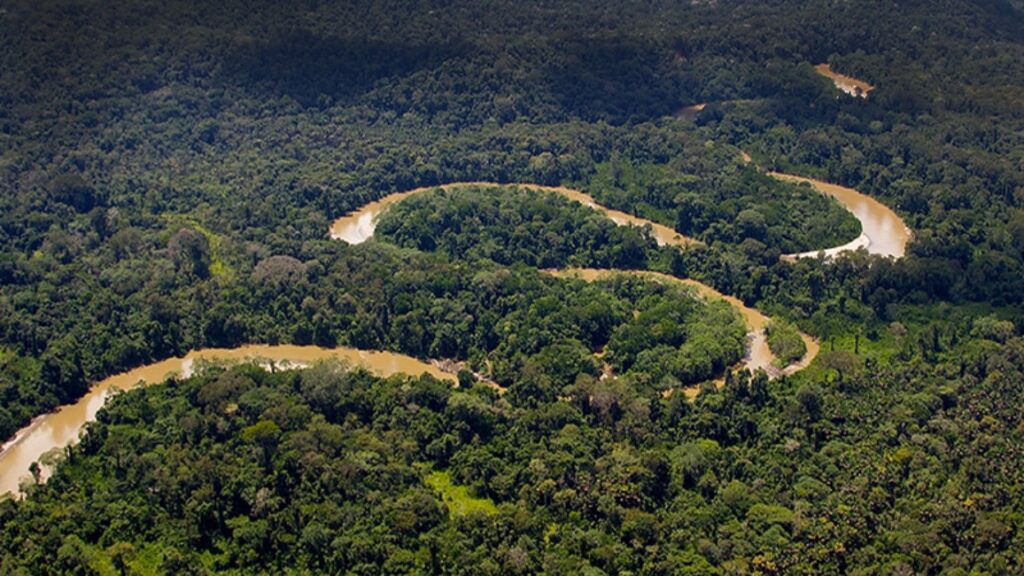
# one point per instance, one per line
(616, 79)
(308, 67)
(611, 78)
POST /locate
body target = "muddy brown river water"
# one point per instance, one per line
(61, 428)
(759, 355)
(848, 84)
(884, 233)
(359, 226)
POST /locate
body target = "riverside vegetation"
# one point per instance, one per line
(169, 171)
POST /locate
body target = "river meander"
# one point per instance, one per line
(885, 234)
(758, 357)
(61, 428)
(359, 226)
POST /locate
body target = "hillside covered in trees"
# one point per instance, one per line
(169, 171)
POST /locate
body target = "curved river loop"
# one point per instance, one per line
(883, 233)
(360, 226)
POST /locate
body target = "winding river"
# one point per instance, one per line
(758, 357)
(884, 233)
(61, 428)
(360, 225)
(848, 84)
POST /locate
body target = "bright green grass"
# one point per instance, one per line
(458, 498)
(881, 349)
(916, 319)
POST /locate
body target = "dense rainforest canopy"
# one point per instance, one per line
(169, 171)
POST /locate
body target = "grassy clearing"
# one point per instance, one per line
(881, 347)
(459, 500)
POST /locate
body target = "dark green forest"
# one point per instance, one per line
(169, 171)
(748, 208)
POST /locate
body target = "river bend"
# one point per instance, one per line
(884, 233)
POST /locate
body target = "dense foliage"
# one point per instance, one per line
(785, 342)
(334, 295)
(168, 171)
(510, 225)
(139, 121)
(861, 469)
(746, 207)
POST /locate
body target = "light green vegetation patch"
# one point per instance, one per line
(785, 343)
(119, 558)
(459, 500)
(218, 268)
